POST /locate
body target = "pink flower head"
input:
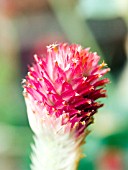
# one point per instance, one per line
(62, 88)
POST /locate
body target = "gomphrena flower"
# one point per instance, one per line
(61, 92)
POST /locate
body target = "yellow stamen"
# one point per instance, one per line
(103, 64)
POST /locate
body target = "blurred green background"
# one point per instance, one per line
(26, 27)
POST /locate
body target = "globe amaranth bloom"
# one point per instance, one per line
(61, 92)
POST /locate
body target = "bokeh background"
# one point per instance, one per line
(26, 27)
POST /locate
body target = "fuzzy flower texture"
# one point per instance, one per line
(61, 92)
